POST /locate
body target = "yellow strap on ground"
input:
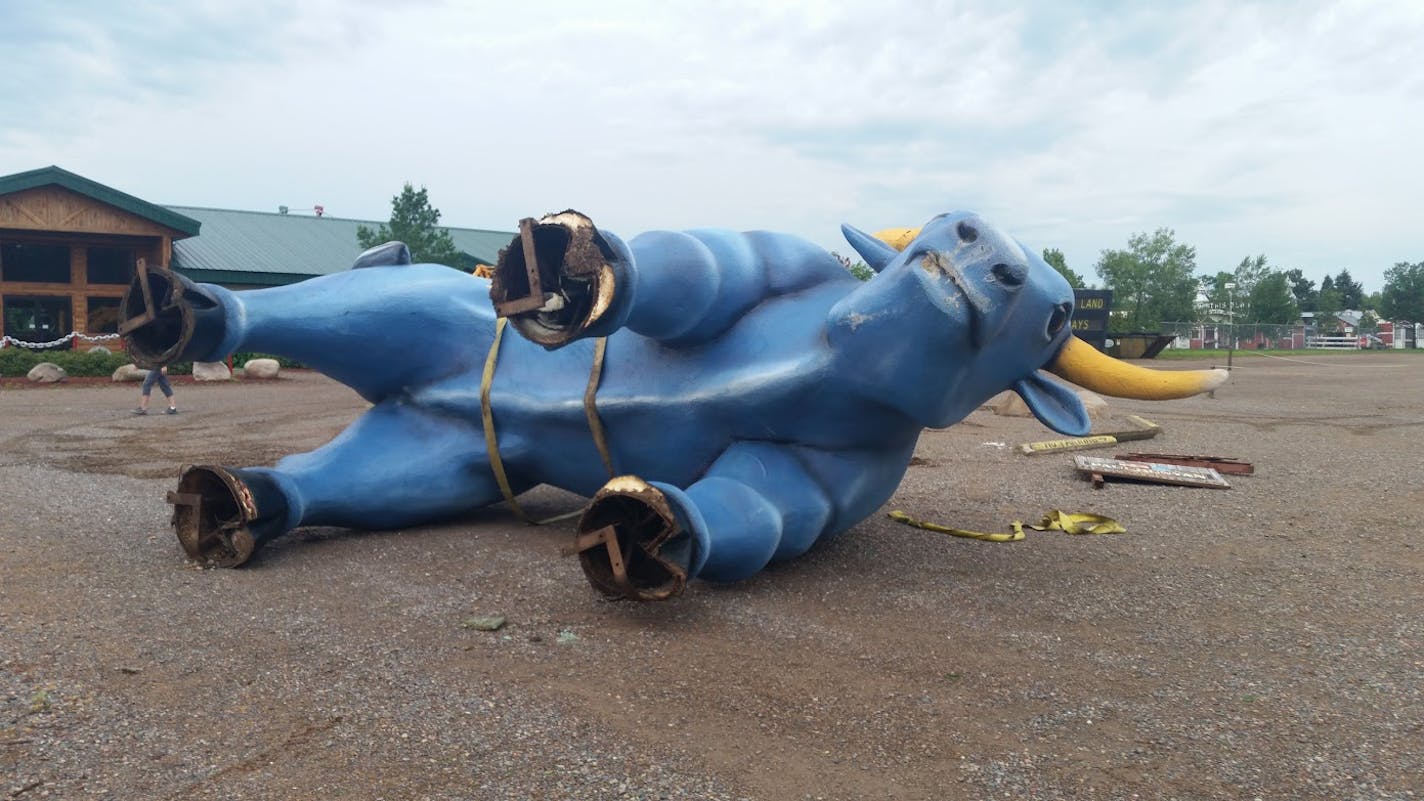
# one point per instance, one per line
(1069, 523)
(492, 441)
(1078, 523)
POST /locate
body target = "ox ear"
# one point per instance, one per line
(876, 253)
(1055, 405)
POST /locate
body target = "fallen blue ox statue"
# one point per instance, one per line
(726, 399)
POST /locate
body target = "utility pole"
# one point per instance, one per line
(1230, 323)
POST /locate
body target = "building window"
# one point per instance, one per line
(103, 315)
(37, 319)
(110, 265)
(47, 264)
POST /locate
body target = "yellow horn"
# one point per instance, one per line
(1082, 364)
(898, 238)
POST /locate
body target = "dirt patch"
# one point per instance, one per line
(1259, 641)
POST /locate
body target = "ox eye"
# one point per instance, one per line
(1061, 314)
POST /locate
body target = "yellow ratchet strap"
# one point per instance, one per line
(1068, 523)
(492, 440)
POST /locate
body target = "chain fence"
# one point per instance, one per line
(6, 341)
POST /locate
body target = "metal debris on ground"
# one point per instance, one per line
(1067, 522)
(1095, 468)
(1142, 429)
(1221, 464)
(1070, 444)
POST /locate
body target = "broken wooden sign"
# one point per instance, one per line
(1098, 469)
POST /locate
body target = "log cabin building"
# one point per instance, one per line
(69, 247)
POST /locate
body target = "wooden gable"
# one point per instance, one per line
(54, 208)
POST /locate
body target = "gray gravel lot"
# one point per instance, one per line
(1265, 641)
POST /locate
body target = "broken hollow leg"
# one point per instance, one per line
(223, 516)
(557, 279)
(630, 545)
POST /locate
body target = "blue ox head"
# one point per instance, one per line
(973, 312)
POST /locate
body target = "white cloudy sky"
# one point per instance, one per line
(1286, 128)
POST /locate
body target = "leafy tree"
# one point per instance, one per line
(1152, 281)
(414, 222)
(1250, 272)
(1055, 259)
(1219, 298)
(1327, 305)
(1303, 288)
(1271, 301)
(1402, 298)
(1351, 292)
(859, 269)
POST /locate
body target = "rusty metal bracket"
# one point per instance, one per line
(535, 298)
(149, 312)
(193, 501)
(608, 538)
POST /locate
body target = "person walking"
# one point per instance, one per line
(157, 377)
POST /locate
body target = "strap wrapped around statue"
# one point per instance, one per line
(752, 396)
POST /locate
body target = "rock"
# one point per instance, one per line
(489, 623)
(261, 368)
(211, 371)
(130, 372)
(47, 373)
(97, 349)
(1009, 404)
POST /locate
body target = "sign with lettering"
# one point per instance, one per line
(1090, 315)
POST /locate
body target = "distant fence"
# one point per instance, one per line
(1211, 336)
(1250, 336)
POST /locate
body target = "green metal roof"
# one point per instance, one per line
(54, 176)
(254, 247)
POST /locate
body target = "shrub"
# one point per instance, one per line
(18, 361)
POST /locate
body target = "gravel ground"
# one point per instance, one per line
(1257, 642)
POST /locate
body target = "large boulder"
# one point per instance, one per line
(261, 368)
(130, 372)
(47, 373)
(1009, 404)
(211, 371)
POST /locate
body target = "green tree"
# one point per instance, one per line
(1303, 288)
(1055, 259)
(1152, 281)
(859, 269)
(1402, 299)
(1352, 294)
(1327, 305)
(414, 221)
(1219, 298)
(1271, 301)
(1251, 271)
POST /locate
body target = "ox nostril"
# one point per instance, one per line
(967, 232)
(1062, 313)
(1009, 274)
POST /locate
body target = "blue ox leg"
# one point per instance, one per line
(562, 279)
(395, 466)
(377, 330)
(758, 503)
